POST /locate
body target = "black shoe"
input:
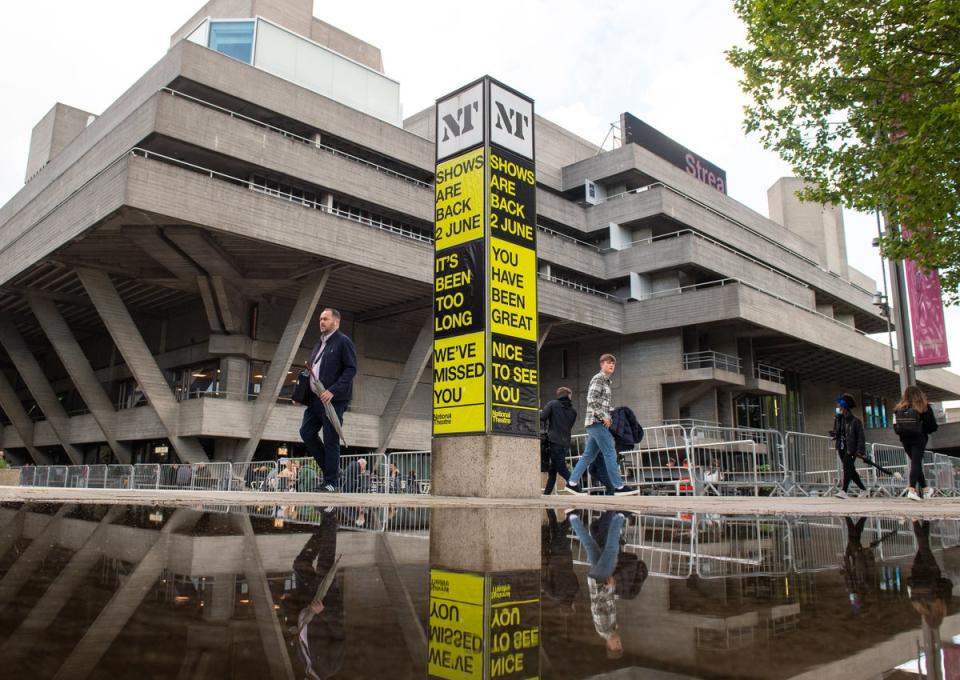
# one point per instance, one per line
(626, 491)
(327, 488)
(575, 489)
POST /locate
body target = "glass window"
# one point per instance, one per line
(232, 38)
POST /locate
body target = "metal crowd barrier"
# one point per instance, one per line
(763, 465)
(813, 464)
(893, 458)
(413, 472)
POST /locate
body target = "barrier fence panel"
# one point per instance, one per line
(77, 476)
(813, 463)
(254, 476)
(57, 476)
(893, 458)
(665, 544)
(738, 546)
(938, 473)
(119, 477)
(363, 473)
(771, 467)
(817, 544)
(96, 476)
(146, 476)
(951, 474)
(734, 468)
(413, 472)
(175, 476)
(300, 474)
(656, 464)
(211, 476)
(28, 475)
(407, 521)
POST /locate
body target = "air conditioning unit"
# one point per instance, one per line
(594, 193)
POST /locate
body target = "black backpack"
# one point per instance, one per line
(907, 422)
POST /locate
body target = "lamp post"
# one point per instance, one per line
(898, 298)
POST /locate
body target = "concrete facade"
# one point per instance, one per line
(169, 251)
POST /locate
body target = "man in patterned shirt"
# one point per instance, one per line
(599, 439)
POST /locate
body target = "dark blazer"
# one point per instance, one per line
(338, 367)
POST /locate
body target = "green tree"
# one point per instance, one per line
(862, 98)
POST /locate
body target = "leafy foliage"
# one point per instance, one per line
(862, 98)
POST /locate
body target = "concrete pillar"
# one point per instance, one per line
(124, 603)
(486, 466)
(620, 238)
(11, 405)
(219, 597)
(29, 561)
(640, 286)
(79, 370)
(293, 333)
(235, 377)
(36, 381)
(406, 385)
(139, 360)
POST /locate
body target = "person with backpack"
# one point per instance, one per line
(850, 441)
(913, 421)
(558, 416)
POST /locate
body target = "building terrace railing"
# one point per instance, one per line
(738, 223)
(765, 372)
(711, 359)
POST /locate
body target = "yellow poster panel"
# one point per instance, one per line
(456, 646)
(513, 290)
(458, 384)
(459, 200)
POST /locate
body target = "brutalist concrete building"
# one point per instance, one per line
(161, 268)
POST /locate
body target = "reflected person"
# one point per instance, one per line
(612, 574)
(317, 624)
(859, 565)
(560, 583)
(930, 592)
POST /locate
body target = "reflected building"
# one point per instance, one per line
(225, 592)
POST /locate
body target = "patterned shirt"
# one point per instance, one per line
(599, 396)
(603, 607)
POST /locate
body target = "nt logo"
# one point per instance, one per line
(510, 121)
(461, 121)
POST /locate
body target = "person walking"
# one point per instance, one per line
(913, 421)
(333, 364)
(599, 439)
(850, 441)
(558, 417)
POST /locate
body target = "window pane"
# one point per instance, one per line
(233, 38)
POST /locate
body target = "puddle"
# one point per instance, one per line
(297, 591)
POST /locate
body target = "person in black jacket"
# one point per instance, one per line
(913, 422)
(850, 441)
(333, 363)
(558, 417)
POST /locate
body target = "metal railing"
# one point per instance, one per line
(710, 359)
(305, 140)
(578, 287)
(698, 459)
(766, 372)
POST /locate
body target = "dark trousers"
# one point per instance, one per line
(914, 448)
(558, 466)
(327, 452)
(850, 473)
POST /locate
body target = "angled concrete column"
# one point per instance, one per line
(286, 350)
(544, 334)
(48, 607)
(407, 384)
(268, 623)
(407, 618)
(11, 405)
(139, 359)
(80, 371)
(36, 381)
(29, 561)
(10, 532)
(117, 612)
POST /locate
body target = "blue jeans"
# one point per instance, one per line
(602, 563)
(599, 440)
(326, 453)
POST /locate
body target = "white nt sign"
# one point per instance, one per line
(460, 121)
(511, 121)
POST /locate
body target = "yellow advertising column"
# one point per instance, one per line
(485, 370)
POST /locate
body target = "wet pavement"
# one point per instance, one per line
(294, 591)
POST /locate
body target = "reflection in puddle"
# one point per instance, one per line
(298, 591)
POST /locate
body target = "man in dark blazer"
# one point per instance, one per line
(333, 363)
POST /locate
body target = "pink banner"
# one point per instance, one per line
(926, 317)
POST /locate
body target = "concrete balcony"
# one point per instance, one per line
(767, 380)
(714, 368)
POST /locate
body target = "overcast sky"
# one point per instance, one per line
(583, 63)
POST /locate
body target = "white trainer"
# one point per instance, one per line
(927, 491)
(912, 495)
(842, 494)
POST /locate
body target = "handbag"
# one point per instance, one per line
(301, 390)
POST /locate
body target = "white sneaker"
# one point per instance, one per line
(842, 494)
(912, 495)
(927, 491)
